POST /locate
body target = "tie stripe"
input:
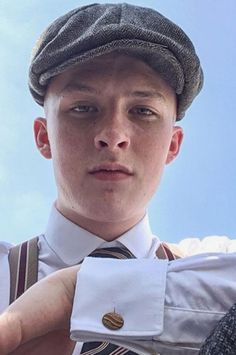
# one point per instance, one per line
(114, 252)
(105, 348)
(121, 351)
(94, 347)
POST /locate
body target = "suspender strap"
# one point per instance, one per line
(23, 263)
(164, 252)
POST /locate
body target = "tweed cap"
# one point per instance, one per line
(90, 31)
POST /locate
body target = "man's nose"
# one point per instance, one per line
(112, 136)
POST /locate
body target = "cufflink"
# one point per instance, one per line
(112, 321)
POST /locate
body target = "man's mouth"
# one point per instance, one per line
(111, 171)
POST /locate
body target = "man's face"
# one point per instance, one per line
(110, 131)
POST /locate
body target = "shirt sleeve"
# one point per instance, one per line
(4, 276)
(163, 304)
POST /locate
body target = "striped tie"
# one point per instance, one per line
(105, 348)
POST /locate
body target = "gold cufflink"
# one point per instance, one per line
(112, 321)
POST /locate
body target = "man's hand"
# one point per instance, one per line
(40, 318)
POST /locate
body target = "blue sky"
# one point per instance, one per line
(197, 196)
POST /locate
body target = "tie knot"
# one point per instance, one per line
(113, 252)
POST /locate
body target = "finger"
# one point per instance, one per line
(57, 342)
(43, 308)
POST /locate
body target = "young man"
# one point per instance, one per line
(113, 80)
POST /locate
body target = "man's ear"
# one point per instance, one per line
(41, 137)
(176, 140)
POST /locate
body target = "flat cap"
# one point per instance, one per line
(90, 31)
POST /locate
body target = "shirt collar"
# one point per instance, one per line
(72, 243)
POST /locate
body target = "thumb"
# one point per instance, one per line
(44, 307)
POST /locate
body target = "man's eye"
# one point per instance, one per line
(84, 109)
(143, 112)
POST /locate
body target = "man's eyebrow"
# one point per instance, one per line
(147, 94)
(81, 87)
(73, 87)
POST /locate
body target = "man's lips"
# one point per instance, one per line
(112, 172)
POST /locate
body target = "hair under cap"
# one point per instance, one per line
(90, 31)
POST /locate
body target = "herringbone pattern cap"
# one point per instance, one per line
(90, 31)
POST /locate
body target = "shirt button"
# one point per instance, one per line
(112, 321)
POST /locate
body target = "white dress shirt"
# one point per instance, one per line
(65, 244)
(168, 308)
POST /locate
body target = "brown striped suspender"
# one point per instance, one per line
(23, 261)
(164, 251)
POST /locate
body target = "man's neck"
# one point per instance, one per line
(107, 230)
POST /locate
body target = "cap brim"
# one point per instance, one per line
(157, 56)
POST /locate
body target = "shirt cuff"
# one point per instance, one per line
(133, 288)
